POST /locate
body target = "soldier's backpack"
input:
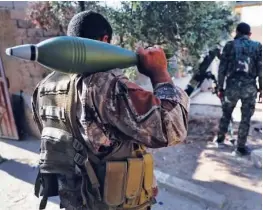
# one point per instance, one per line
(244, 52)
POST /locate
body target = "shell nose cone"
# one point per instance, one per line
(8, 51)
(21, 51)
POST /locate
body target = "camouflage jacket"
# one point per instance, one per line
(111, 108)
(228, 62)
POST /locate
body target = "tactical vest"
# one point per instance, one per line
(121, 180)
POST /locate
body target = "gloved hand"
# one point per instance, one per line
(153, 64)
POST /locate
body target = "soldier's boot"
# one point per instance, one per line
(243, 151)
(220, 141)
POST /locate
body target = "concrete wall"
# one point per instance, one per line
(22, 75)
(256, 33)
(251, 13)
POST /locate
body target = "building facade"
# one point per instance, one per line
(22, 75)
(251, 13)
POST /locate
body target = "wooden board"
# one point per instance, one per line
(8, 127)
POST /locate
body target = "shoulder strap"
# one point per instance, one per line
(34, 110)
(71, 108)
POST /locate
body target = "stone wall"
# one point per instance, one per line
(22, 75)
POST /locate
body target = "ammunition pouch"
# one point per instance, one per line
(129, 184)
(118, 185)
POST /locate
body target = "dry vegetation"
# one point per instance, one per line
(202, 129)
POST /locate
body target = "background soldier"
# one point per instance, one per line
(240, 65)
(95, 129)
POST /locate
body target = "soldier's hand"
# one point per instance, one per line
(155, 191)
(260, 96)
(153, 64)
(220, 94)
(155, 187)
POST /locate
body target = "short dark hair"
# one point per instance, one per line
(89, 24)
(243, 28)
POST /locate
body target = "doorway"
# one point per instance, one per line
(8, 129)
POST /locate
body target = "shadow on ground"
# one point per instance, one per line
(237, 166)
(24, 172)
(20, 170)
(29, 144)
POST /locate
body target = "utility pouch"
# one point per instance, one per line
(46, 185)
(148, 175)
(115, 183)
(134, 181)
